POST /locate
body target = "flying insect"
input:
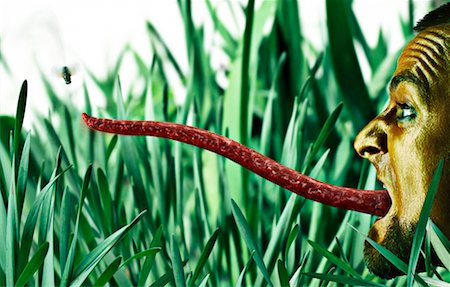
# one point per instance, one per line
(66, 74)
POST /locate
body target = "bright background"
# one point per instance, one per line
(90, 35)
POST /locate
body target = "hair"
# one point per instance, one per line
(436, 17)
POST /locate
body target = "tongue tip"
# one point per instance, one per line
(85, 117)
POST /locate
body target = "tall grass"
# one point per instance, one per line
(83, 208)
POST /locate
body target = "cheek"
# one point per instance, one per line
(417, 148)
(434, 141)
(440, 212)
(437, 128)
(410, 166)
(408, 152)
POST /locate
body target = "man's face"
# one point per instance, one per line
(405, 143)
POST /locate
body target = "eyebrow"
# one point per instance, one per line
(406, 77)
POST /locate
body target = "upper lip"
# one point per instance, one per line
(384, 176)
(381, 166)
(384, 180)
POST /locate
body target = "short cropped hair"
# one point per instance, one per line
(436, 17)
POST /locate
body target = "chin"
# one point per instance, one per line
(394, 237)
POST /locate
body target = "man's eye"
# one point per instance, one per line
(405, 113)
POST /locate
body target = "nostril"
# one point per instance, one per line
(368, 151)
(372, 139)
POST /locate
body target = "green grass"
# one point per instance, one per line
(84, 208)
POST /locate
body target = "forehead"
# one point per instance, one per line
(425, 60)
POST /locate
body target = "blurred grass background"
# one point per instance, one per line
(84, 208)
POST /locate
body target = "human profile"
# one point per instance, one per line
(406, 141)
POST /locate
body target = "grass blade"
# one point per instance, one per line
(435, 282)
(149, 252)
(7, 124)
(11, 233)
(440, 244)
(334, 259)
(323, 135)
(240, 281)
(45, 231)
(245, 81)
(112, 144)
(178, 272)
(290, 211)
(282, 273)
(22, 175)
(20, 114)
(353, 88)
(204, 257)
(30, 223)
(3, 224)
(70, 135)
(72, 176)
(65, 219)
(164, 280)
(130, 155)
(230, 45)
(89, 262)
(246, 233)
(295, 231)
(68, 269)
(268, 113)
(344, 279)
(204, 281)
(287, 29)
(109, 272)
(419, 234)
(48, 274)
(106, 200)
(163, 49)
(33, 265)
(397, 262)
(146, 268)
(385, 252)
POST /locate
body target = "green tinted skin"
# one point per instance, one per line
(405, 143)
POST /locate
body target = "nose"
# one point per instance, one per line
(372, 139)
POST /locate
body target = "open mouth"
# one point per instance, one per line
(388, 191)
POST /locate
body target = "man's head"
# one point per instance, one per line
(406, 141)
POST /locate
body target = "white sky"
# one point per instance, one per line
(90, 34)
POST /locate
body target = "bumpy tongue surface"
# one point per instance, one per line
(376, 202)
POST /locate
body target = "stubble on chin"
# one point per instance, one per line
(398, 240)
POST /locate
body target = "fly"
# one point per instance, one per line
(66, 74)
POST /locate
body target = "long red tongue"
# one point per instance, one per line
(376, 202)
